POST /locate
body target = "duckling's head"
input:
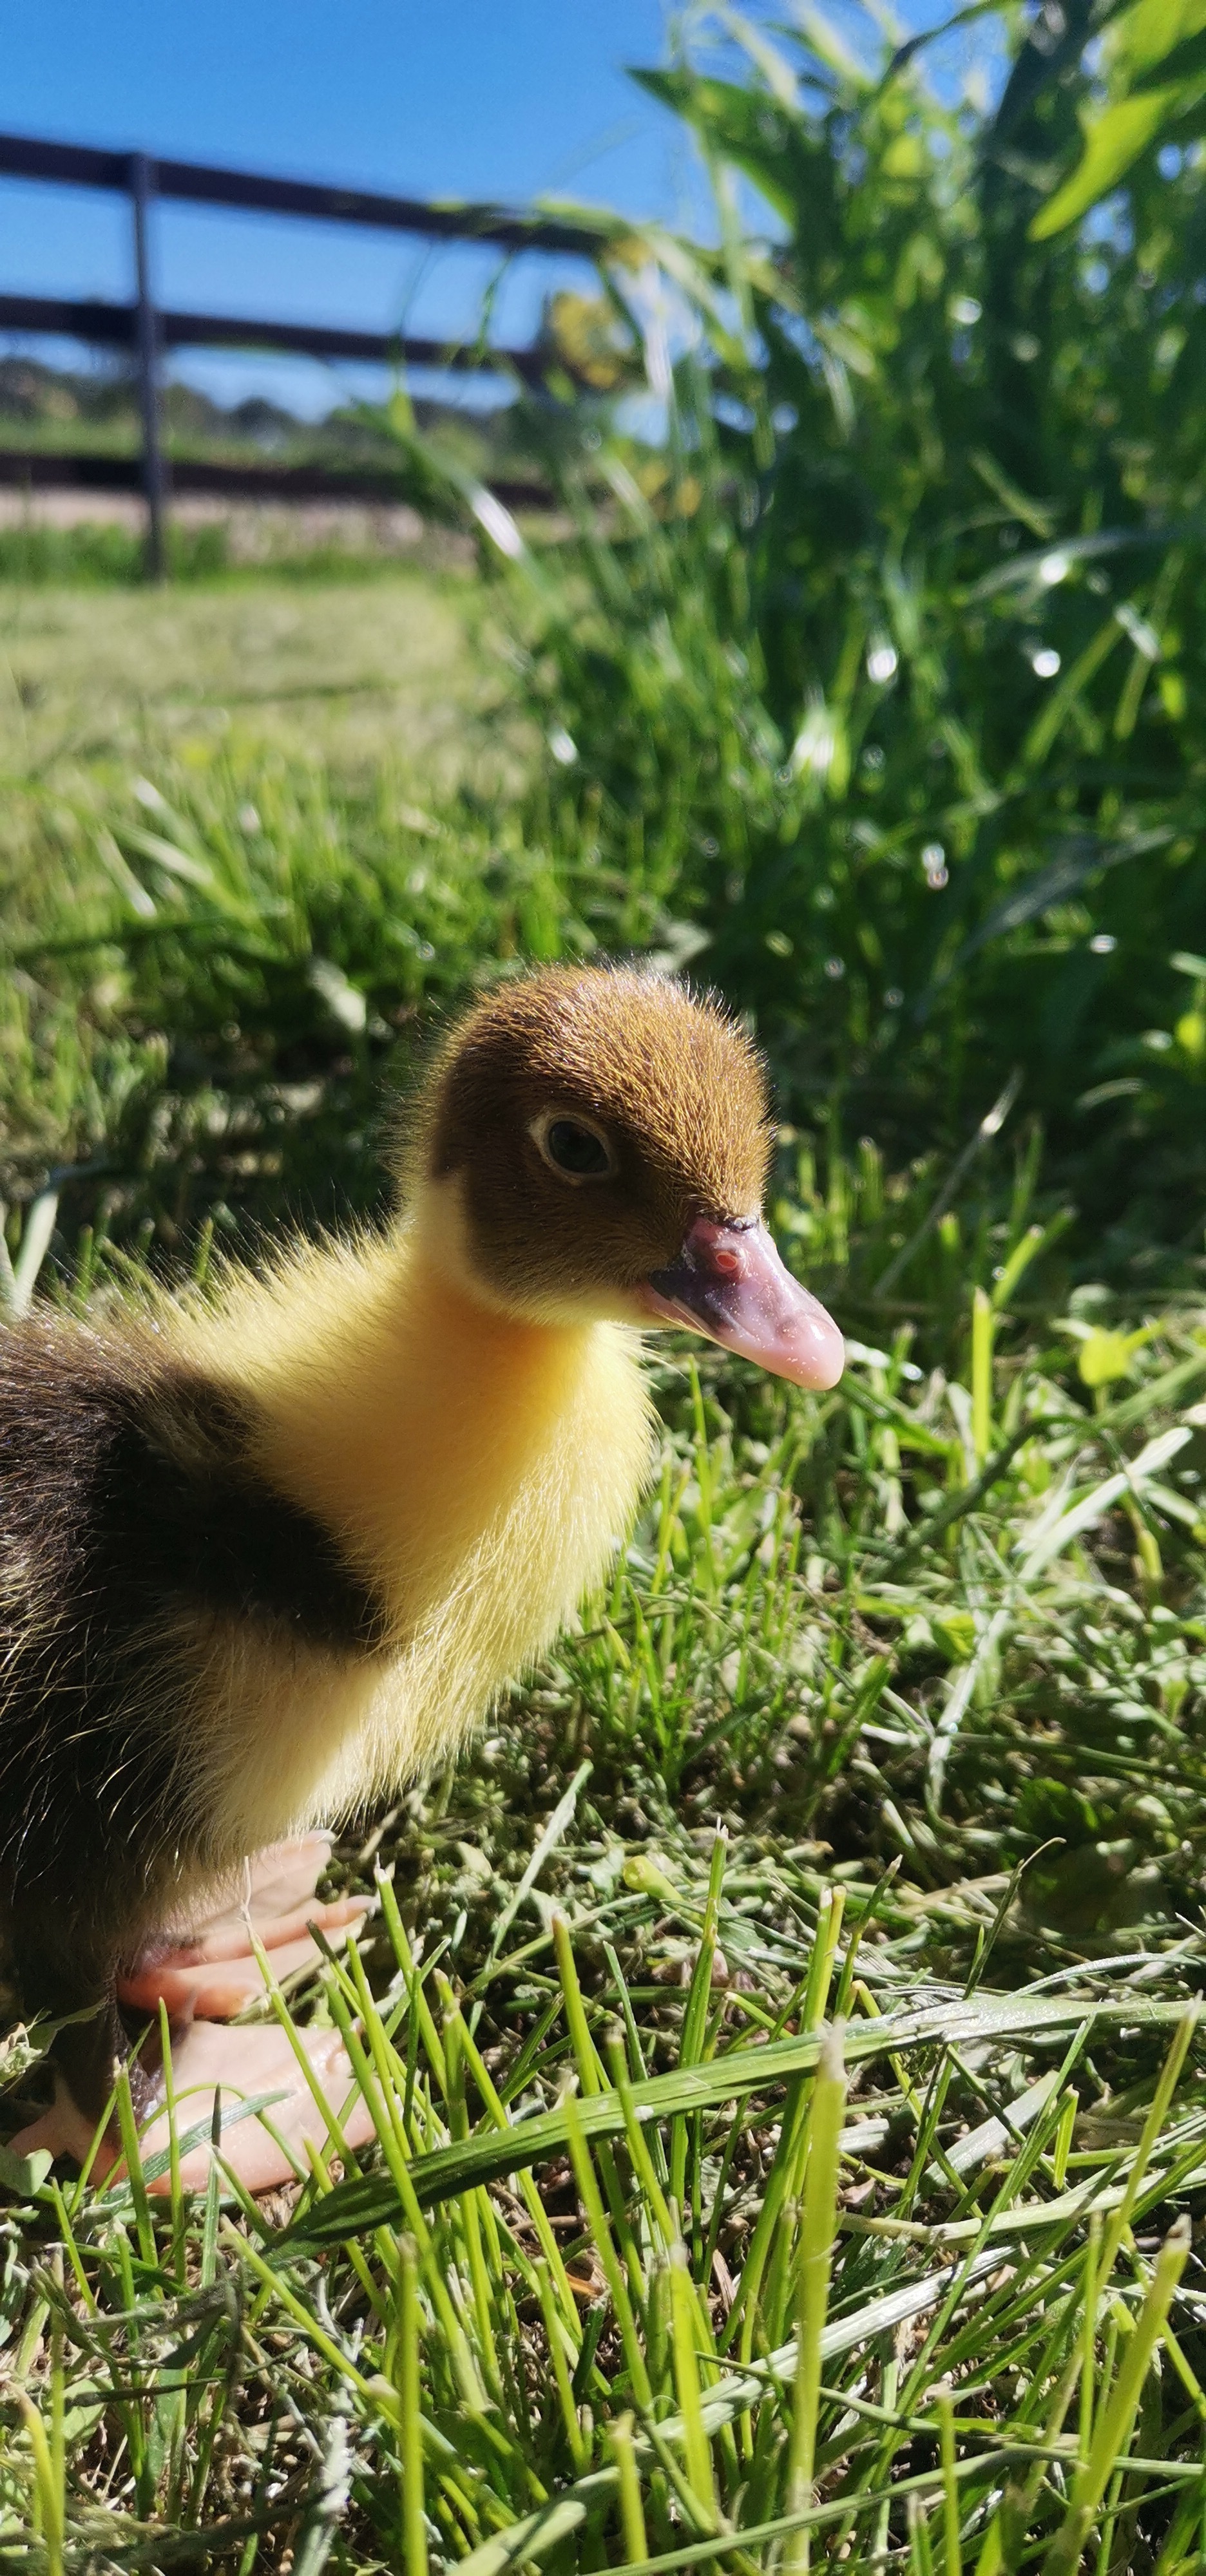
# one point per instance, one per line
(594, 1142)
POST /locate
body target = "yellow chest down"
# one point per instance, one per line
(478, 1470)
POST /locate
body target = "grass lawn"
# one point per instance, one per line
(782, 2024)
(350, 669)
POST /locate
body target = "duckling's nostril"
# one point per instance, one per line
(717, 1248)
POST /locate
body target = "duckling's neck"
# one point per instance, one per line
(435, 1433)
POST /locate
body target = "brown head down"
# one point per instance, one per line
(607, 1135)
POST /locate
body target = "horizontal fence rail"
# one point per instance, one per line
(146, 330)
(80, 469)
(77, 165)
(116, 326)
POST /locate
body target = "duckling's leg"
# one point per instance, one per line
(215, 1975)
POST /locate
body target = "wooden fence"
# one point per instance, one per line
(147, 331)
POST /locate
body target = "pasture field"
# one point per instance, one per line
(369, 668)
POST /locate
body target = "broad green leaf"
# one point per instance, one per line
(1185, 63)
(955, 1631)
(760, 137)
(1106, 1356)
(904, 158)
(1159, 57)
(24, 2175)
(1113, 143)
(1154, 32)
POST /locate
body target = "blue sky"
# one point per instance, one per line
(506, 99)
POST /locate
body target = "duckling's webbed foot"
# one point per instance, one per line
(206, 1980)
(203, 1982)
(237, 2066)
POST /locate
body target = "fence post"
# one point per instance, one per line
(142, 182)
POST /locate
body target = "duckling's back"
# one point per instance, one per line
(134, 1533)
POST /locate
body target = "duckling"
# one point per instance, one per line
(265, 1556)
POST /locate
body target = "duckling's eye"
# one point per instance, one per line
(574, 1150)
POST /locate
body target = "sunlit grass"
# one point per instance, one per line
(360, 668)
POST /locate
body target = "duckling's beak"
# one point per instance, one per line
(730, 1283)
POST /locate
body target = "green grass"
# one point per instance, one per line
(376, 668)
(335, 542)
